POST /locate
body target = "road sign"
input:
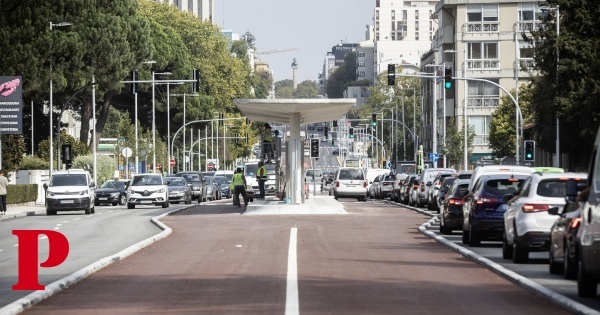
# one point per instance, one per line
(172, 162)
(127, 152)
(210, 166)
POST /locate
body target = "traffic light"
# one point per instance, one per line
(66, 155)
(314, 148)
(332, 143)
(196, 78)
(391, 74)
(529, 150)
(374, 120)
(149, 116)
(335, 124)
(134, 77)
(448, 78)
(351, 133)
(326, 132)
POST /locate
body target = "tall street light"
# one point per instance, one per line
(557, 10)
(61, 24)
(171, 153)
(136, 123)
(466, 161)
(154, 119)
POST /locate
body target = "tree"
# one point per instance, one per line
(502, 126)
(454, 149)
(13, 149)
(105, 164)
(78, 148)
(572, 93)
(249, 39)
(340, 77)
(307, 89)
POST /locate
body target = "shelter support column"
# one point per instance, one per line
(297, 151)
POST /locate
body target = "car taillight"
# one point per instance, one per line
(385, 184)
(534, 208)
(365, 184)
(481, 200)
(575, 223)
(415, 186)
(337, 184)
(457, 202)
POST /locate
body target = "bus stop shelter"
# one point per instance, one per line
(294, 112)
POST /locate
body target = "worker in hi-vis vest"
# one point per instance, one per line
(239, 186)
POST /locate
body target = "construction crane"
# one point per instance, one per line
(266, 52)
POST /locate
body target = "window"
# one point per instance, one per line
(431, 25)
(361, 63)
(482, 13)
(416, 14)
(404, 15)
(377, 26)
(377, 14)
(361, 54)
(481, 124)
(483, 94)
(393, 36)
(393, 26)
(525, 50)
(529, 12)
(416, 35)
(483, 50)
(393, 14)
(416, 25)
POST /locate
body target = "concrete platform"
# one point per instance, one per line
(313, 205)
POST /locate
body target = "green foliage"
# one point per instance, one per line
(305, 89)
(13, 149)
(572, 94)
(262, 82)
(33, 163)
(454, 149)
(340, 78)
(502, 126)
(77, 147)
(16, 194)
(106, 166)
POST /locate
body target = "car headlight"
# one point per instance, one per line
(116, 194)
(195, 187)
(162, 190)
(51, 194)
(83, 192)
(130, 191)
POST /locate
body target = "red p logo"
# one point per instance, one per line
(58, 250)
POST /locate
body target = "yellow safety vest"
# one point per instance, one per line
(264, 171)
(237, 179)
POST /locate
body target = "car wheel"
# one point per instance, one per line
(520, 254)
(506, 249)
(569, 265)
(444, 229)
(88, 210)
(93, 210)
(50, 212)
(188, 201)
(130, 206)
(165, 204)
(96, 203)
(474, 238)
(586, 287)
(115, 203)
(335, 197)
(123, 200)
(555, 268)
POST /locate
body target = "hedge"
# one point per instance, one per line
(21, 193)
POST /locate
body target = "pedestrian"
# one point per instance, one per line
(267, 145)
(3, 184)
(261, 177)
(239, 184)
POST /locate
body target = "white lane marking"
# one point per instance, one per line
(76, 219)
(59, 224)
(291, 299)
(65, 221)
(56, 227)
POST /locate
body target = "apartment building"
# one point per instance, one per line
(203, 9)
(480, 40)
(403, 31)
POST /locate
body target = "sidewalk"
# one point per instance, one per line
(24, 209)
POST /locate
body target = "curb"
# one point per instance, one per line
(33, 298)
(498, 269)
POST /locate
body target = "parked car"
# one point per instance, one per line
(451, 209)
(179, 191)
(227, 174)
(373, 173)
(564, 256)
(407, 185)
(194, 180)
(373, 187)
(498, 169)
(396, 194)
(213, 189)
(588, 236)
(147, 189)
(112, 192)
(224, 186)
(413, 199)
(208, 174)
(70, 190)
(350, 182)
(384, 189)
(483, 212)
(444, 189)
(527, 222)
(426, 183)
(434, 189)
(464, 174)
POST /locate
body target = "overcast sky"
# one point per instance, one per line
(312, 25)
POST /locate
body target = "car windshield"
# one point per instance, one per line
(191, 177)
(316, 173)
(556, 187)
(354, 174)
(113, 184)
(250, 170)
(388, 178)
(221, 179)
(448, 182)
(68, 180)
(146, 180)
(176, 182)
(501, 187)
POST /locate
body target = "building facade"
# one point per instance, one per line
(202, 9)
(480, 40)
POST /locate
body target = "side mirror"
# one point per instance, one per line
(553, 211)
(167, 182)
(45, 186)
(92, 184)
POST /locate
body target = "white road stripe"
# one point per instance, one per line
(291, 299)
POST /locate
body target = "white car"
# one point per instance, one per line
(350, 182)
(70, 191)
(527, 222)
(426, 183)
(147, 189)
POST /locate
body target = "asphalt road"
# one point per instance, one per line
(370, 261)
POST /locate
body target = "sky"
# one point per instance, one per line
(312, 25)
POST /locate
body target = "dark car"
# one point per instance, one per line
(179, 191)
(408, 184)
(451, 208)
(194, 181)
(311, 127)
(213, 189)
(435, 189)
(563, 236)
(443, 191)
(483, 212)
(224, 186)
(112, 192)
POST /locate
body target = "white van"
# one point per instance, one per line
(250, 170)
(69, 191)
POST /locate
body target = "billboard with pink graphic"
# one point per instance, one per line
(11, 108)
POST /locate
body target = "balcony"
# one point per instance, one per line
(482, 27)
(483, 101)
(528, 26)
(481, 140)
(483, 64)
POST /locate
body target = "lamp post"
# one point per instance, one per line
(136, 123)
(184, 98)
(154, 119)
(557, 10)
(61, 24)
(466, 161)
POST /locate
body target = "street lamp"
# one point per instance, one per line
(170, 153)
(557, 10)
(154, 119)
(136, 123)
(466, 161)
(61, 24)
